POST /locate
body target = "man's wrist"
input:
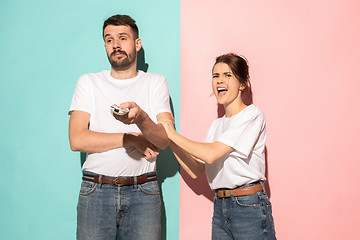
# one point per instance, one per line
(128, 139)
(141, 118)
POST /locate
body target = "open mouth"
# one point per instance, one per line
(221, 91)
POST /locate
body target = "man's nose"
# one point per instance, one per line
(116, 44)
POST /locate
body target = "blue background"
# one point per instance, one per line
(45, 46)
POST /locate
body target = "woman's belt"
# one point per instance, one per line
(242, 191)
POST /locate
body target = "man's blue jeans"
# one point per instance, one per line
(244, 217)
(134, 211)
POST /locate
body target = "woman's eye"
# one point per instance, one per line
(228, 75)
(215, 76)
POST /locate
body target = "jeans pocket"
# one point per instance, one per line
(265, 199)
(87, 188)
(150, 188)
(248, 201)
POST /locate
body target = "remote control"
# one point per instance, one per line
(119, 111)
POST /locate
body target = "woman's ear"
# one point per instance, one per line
(242, 87)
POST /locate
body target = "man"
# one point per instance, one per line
(119, 192)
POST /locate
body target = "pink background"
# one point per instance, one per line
(305, 75)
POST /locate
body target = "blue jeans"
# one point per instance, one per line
(105, 209)
(244, 217)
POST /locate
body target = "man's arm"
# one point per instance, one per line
(84, 140)
(154, 133)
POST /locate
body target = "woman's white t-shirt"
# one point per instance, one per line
(245, 133)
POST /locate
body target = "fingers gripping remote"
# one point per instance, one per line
(119, 111)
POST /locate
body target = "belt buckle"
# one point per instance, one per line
(115, 182)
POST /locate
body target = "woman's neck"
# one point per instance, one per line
(234, 108)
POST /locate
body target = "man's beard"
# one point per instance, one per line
(124, 64)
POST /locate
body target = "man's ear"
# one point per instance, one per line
(138, 44)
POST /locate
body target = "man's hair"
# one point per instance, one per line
(122, 20)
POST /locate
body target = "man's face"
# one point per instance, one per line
(121, 47)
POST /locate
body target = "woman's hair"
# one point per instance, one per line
(238, 66)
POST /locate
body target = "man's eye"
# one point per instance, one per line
(215, 76)
(123, 38)
(109, 41)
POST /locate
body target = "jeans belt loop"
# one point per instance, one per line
(263, 187)
(100, 183)
(135, 182)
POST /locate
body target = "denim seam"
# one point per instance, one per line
(89, 191)
(147, 192)
(246, 205)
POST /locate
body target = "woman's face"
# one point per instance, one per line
(226, 86)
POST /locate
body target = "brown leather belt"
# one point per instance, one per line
(244, 191)
(121, 181)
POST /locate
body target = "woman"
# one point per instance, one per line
(232, 156)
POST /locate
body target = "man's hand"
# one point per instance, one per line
(135, 114)
(153, 132)
(139, 142)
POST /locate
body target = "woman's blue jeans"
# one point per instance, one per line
(105, 209)
(244, 217)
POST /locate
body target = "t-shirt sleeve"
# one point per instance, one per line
(161, 97)
(244, 133)
(208, 138)
(82, 99)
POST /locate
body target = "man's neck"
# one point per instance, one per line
(124, 74)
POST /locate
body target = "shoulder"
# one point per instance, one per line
(251, 115)
(153, 76)
(257, 111)
(89, 78)
(216, 123)
(253, 112)
(94, 76)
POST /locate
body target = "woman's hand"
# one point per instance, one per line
(169, 128)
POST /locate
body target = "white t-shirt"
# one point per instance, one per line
(245, 133)
(95, 93)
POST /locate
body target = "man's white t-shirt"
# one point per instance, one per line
(95, 93)
(245, 133)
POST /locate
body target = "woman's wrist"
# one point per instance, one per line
(173, 135)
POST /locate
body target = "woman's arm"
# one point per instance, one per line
(207, 152)
(190, 164)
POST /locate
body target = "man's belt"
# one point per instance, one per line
(120, 181)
